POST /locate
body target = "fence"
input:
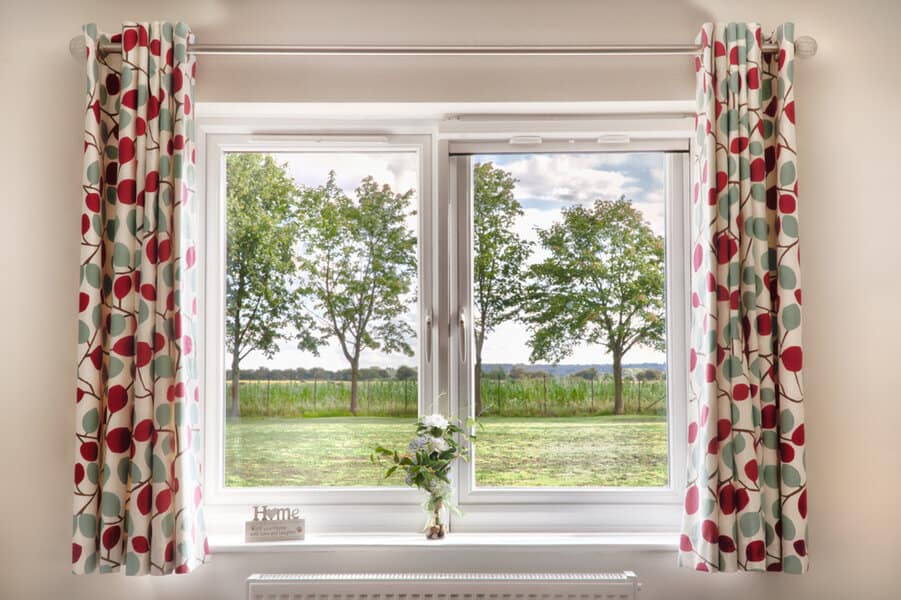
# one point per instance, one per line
(501, 396)
(567, 396)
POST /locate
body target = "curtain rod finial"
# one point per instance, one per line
(806, 47)
(77, 47)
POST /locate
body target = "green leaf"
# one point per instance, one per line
(122, 470)
(121, 255)
(87, 525)
(790, 476)
(159, 471)
(132, 564)
(787, 174)
(163, 414)
(786, 421)
(93, 173)
(90, 421)
(790, 226)
(732, 367)
(84, 332)
(792, 564)
(162, 366)
(115, 366)
(787, 278)
(771, 476)
(749, 523)
(167, 524)
(91, 274)
(788, 528)
(110, 505)
(791, 317)
(117, 324)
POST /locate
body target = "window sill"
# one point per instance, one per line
(513, 542)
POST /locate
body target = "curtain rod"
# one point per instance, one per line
(805, 47)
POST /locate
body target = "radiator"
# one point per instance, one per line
(445, 586)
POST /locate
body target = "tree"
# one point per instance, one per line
(587, 374)
(405, 373)
(499, 255)
(261, 231)
(602, 282)
(648, 375)
(357, 265)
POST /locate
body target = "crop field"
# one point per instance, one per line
(601, 450)
(532, 397)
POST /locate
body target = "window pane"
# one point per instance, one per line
(568, 304)
(321, 315)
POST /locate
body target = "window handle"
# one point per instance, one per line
(462, 341)
(428, 338)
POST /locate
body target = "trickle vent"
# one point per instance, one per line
(444, 586)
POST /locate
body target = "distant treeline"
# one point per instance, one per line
(641, 371)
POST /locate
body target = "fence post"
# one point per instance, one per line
(592, 394)
(268, 392)
(314, 394)
(499, 405)
(639, 396)
(544, 393)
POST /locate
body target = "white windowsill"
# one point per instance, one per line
(523, 542)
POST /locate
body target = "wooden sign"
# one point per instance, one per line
(274, 524)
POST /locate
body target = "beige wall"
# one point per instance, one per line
(849, 164)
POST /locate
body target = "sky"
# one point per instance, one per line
(546, 183)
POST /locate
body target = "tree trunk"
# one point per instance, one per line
(354, 379)
(234, 410)
(477, 375)
(618, 407)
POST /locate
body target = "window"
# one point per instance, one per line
(356, 280)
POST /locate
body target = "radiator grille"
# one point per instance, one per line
(444, 586)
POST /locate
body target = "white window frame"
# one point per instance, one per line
(330, 508)
(572, 509)
(444, 386)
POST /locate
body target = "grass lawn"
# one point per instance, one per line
(528, 451)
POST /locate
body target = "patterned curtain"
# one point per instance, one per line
(137, 474)
(746, 498)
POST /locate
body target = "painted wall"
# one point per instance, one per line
(848, 130)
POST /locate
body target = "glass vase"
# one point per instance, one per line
(436, 528)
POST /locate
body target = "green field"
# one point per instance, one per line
(501, 397)
(534, 451)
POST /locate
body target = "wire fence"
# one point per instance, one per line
(501, 396)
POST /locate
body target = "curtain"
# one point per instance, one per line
(746, 496)
(137, 497)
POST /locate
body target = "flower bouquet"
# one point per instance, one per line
(427, 464)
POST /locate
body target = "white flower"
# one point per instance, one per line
(434, 421)
(437, 444)
(419, 443)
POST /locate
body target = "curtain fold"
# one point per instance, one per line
(137, 497)
(746, 496)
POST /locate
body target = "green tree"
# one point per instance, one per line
(499, 256)
(587, 374)
(405, 373)
(357, 267)
(648, 375)
(602, 282)
(261, 230)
